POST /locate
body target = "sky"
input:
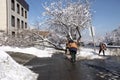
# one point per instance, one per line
(105, 14)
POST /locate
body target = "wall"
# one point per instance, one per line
(3, 14)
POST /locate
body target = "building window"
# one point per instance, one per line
(25, 14)
(13, 34)
(12, 4)
(18, 23)
(22, 24)
(13, 21)
(18, 8)
(25, 25)
(22, 11)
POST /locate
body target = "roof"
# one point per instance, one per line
(24, 4)
(41, 32)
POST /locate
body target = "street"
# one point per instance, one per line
(58, 67)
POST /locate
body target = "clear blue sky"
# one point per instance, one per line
(106, 14)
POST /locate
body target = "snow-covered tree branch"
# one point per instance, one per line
(30, 38)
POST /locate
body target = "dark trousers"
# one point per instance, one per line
(73, 52)
(102, 51)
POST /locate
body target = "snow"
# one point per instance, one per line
(10, 70)
(90, 54)
(84, 52)
(31, 50)
(47, 9)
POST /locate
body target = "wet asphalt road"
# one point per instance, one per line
(58, 67)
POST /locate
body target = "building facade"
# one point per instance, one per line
(13, 16)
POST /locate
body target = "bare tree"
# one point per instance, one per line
(68, 20)
(113, 37)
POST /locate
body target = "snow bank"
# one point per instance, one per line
(10, 70)
(89, 54)
(31, 50)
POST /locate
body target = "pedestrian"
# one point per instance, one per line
(102, 48)
(73, 50)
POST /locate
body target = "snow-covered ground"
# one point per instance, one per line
(31, 50)
(10, 70)
(84, 52)
(90, 53)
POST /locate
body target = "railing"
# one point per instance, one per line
(113, 47)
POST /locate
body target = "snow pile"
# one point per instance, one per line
(89, 54)
(31, 50)
(10, 70)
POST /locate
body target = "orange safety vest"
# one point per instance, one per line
(73, 45)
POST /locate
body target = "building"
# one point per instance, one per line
(13, 16)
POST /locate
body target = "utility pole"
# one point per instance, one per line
(92, 34)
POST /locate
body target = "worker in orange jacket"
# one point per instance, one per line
(73, 49)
